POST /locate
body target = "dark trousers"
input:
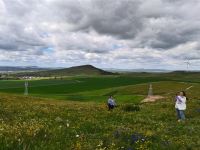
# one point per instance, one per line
(110, 106)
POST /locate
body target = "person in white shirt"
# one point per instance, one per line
(111, 103)
(180, 105)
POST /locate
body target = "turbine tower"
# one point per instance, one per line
(150, 92)
(188, 64)
(26, 88)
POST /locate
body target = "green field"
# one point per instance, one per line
(125, 88)
(78, 88)
(71, 114)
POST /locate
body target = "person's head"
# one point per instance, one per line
(111, 96)
(182, 93)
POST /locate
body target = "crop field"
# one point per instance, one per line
(74, 88)
(98, 88)
(71, 114)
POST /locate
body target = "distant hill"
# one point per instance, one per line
(186, 72)
(137, 70)
(20, 68)
(77, 70)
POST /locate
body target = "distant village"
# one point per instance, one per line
(13, 76)
(6, 76)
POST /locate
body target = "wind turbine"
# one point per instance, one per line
(188, 64)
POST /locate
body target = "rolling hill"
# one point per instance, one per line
(21, 69)
(77, 70)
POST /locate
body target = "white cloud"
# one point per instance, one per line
(106, 33)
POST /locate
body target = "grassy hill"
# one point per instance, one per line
(71, 113)
(78, 70)
(39, 124)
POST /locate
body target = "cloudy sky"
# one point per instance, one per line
(105, 33)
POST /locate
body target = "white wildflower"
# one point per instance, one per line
(77, 135)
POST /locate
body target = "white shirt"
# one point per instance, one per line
(180, 103)
(111, 101)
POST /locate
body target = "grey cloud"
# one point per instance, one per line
(126, 20)
(121, 19)
(98, 26)
(117, 18)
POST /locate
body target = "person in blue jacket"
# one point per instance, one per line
(111, 103)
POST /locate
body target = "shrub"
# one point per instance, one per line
(131, 107)
(164, 106)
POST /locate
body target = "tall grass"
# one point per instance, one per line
(34, 123)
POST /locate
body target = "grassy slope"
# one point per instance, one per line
(70, 88)
(124, 88)
(30, 123)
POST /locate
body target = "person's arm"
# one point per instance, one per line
(175, 98)
(179, 99)
(114, 102)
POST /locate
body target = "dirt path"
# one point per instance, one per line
(159, 97)
(189, 88)
(152, 98)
